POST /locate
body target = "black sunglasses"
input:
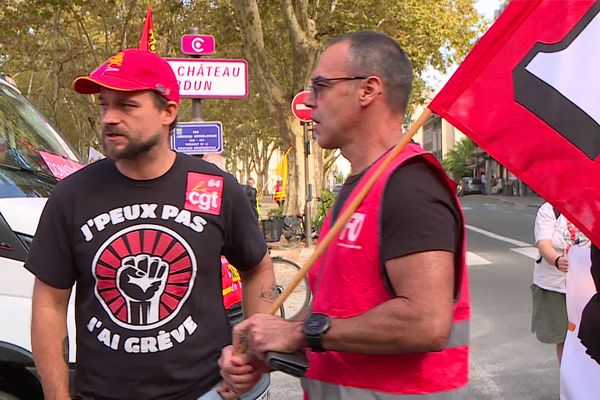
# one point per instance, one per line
(321, 82)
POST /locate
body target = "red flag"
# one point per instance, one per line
(528, 95)
(148, 41)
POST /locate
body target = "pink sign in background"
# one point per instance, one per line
(59, 166)
(197, 44)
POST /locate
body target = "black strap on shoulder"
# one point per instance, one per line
(556, 212)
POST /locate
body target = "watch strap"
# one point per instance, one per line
(315, 343)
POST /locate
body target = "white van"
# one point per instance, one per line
(29, 148)
(28, 143)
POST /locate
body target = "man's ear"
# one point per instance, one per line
(169, 113)
(372, 88)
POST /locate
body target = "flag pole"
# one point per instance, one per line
(347, 214)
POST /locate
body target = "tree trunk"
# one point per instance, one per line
(296, 195)
(262, 176)
(318, 176)
(304, 49)
(244, 178)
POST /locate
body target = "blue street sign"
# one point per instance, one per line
(198, 137)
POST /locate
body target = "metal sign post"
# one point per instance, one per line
(303, 113)
(196, 103)
(307, 184)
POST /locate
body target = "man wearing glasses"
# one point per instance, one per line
(390, 309)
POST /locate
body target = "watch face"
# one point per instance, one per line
(316, 323)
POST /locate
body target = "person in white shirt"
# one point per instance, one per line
(554, 235)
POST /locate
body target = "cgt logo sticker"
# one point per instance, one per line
(204, 193)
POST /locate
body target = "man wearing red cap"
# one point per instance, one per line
(141, 233)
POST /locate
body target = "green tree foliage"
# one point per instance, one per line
(327, 200)
(456, 159)
(45, 44)
(290, 33)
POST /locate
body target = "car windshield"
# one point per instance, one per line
(26, 138)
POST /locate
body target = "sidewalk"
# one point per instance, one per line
(266, 204)
(296, 252)
(529, 201)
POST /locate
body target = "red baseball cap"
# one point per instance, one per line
(131, 70)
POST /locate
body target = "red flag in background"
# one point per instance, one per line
(148, 41)
(528, 94)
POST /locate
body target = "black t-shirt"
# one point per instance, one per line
(418, 213)
(251, 194)
(146, 258)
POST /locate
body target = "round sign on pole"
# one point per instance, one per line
(299, 109)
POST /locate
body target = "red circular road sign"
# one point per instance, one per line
(299, 109)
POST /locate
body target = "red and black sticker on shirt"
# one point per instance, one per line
(204, 193)
(144, 274)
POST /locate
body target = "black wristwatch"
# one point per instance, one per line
(314, 327)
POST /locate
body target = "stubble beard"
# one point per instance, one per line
(132, 150)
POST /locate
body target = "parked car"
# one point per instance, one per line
(468, 185)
